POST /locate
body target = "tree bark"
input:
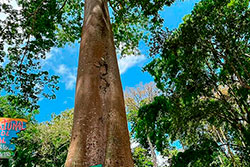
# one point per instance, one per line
(100, 132)
(152, 151)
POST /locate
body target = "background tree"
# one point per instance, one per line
(45, 144)
(13, 107)
(134, 99)
(141, 157)
(31, 32)
(24, 40)
(205, 81)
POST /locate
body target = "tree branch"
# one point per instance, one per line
(243, 84)
(64, 3)
(247, 55)
(113, 8)
(35, 12)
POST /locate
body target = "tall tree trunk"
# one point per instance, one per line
(100, 133)
(152, 150)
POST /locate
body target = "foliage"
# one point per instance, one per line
(13, 107)
(25, 38)
(134, 99)
(152, 124)
(141, 157)
(133, 21)
(202, 68)
(202, 154)
(137, 97)
(45, 144)
(29, 33)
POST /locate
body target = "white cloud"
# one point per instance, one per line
(52, 56)
(55, 61)
(62, 69)
(2, 16)
(129, 61)
(12, 3)
(71, 81)
(162, 161)
(134, 144)
(68, 76)
(48, 56)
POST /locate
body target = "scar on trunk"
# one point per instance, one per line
(103, 69)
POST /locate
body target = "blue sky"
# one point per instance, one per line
(63, 62)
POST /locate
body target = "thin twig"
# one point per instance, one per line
(114, 9)
(65, 2)
(247, 55)
(35, 12)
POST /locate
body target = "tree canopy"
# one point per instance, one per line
(29, 32)
(202, 68)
